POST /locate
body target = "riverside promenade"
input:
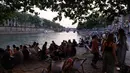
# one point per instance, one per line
(22, 30)
(35, 66)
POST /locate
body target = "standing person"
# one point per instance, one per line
(104, 38)
(95, 51)
(109, 54)
(122, 47)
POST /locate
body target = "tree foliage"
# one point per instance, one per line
(24, 19)
(80, 10)
(51, 25)
(93, 23)
(28, 20)
(77, 10)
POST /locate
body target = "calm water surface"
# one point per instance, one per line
(18, 39)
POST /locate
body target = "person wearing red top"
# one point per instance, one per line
(95, 51)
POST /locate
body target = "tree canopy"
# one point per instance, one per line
(80, 10)
(77, 10)
(28, 20)
(93, 23)
(9, 7)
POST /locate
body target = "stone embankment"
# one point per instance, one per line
(20, 30)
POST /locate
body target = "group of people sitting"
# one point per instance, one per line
(55, 52)
(66, 49)
(17, 55)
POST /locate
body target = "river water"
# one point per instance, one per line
(18, 39)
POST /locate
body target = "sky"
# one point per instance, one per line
(66, 22)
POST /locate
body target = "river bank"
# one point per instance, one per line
(37, 66)
(21, 30)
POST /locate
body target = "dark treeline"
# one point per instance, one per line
(94, 22)
(27, 20)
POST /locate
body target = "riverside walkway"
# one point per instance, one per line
(37, 66)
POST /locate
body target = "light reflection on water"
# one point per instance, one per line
(19, 39)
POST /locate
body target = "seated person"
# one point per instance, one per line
(55, 55)
(6, 61)
(25, 53)
(18, 57)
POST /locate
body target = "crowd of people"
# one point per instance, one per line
(111, 47)
(113, 51)
(10, 57)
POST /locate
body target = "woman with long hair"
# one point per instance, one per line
(122, 47)
(109, 54)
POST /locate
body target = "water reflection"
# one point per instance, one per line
(19, 39)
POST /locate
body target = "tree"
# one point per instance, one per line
(9, 7)
(28, 20)
(51, 25)
(77, 10)
(92, 23)
(80, 10)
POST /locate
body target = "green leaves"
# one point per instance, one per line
(77, 10)
(93, 22)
